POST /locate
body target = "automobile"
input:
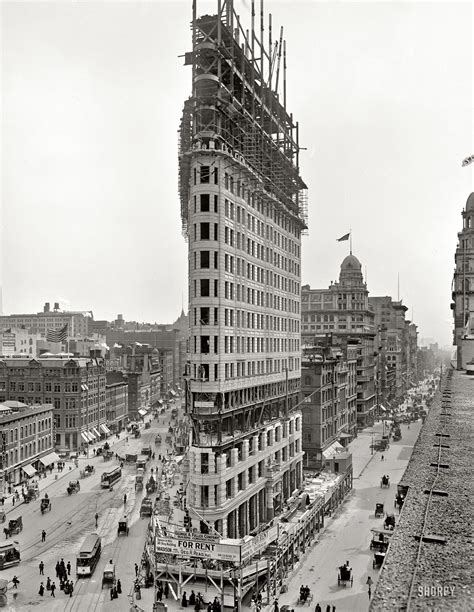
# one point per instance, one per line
(108, 577)
(45, 505)
(123, 526)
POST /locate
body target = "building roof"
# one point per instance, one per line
(351, 262)
(470, 203)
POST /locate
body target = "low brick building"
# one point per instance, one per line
(26, 442)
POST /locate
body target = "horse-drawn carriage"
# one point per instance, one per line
(45, 505)
(151, 485)
(123, 526)
(379, 557)
(380, 539)
(146, 509)
(379, 511)
(73, 487)
(87, 471)
(399, 500)
(32, 493)
(138, 482)
(389, 522)
(108, 455)
(345, 576)
(108, 577)
(385, 481)
(306, 597)
(14, 527)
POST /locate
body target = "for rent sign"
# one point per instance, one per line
(198, 548)
(259, 543)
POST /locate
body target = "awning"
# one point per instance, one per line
(344, 435)
(173, 393)
(382, 408)
(142, 412)
(84, 387)
(49, 459)
(29, 470)
(84, 436)
(104, 428)
(332, 450)
(160, 402)
(91, 436)
(96, 432)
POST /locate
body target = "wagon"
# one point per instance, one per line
(379, 557)
(73, 487)
(385, 481)
(380, 539)
(146, 508)
(379, 511)
(138, 482)
(345, 576)
(45, 505)
(389, 522)
(123, 527)
(15, 526)
(108, 577)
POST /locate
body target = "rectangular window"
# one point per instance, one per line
(205, 199)
(204, 231)
(204, 287)
(204, 174)
(204, 259)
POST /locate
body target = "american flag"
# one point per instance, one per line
(60, 335)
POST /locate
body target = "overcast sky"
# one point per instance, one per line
(92, 95)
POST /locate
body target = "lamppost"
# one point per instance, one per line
(372, 433)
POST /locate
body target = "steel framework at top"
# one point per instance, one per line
(235, 108)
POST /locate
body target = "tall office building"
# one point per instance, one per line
(243, 208)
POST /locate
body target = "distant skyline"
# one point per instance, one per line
(92, 95)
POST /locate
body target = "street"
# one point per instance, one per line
(347, 534)
(71, 519)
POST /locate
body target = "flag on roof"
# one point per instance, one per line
(345, 237)
(57, 335)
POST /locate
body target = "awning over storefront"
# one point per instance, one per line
(104, 428)
(332, 450)
(96, 432)
(29, 470)
(50, 458)
(173, 393)
(344, 435)
(160, 402)
(84, 436)
(91, 436)
(142, 412)
(383, 408)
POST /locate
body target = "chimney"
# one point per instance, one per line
(46, 307)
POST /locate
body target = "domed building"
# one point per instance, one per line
(463, 288)
(341, 316)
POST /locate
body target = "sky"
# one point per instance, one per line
(91, 98)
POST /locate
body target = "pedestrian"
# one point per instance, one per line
(184, 600)
(48, 583)
(96, 519)
(68, 568)
(381, 457)
(15, 581)
(58, 569)
(43, 536)
(71, 588)
(136, 569)
(317, 608)
(276, 607)
(334, 609)
(119, 586)
(328, 608)
(41, 590)
(166, 590)
(192, 599)
(53, 588)
(41, 568)
(124, 499)
(13, 500)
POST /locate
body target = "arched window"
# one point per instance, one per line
(307, 380)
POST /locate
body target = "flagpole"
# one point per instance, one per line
(350, 241)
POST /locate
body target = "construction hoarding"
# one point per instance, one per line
(196, 547)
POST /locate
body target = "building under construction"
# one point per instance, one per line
(243, 210)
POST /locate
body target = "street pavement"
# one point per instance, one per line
(71, 519)
(346, 535)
